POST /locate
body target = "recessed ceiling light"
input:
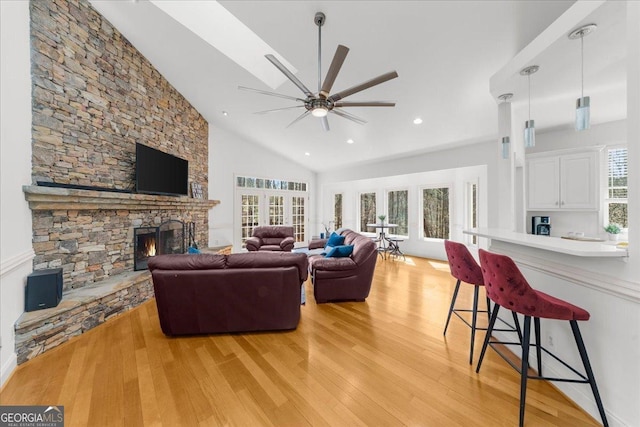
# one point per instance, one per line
(417, 121)
(307, 154)
(349, 141)
(224, 113)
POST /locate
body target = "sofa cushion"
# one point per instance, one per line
(335, 240)
(319, 262)
(340, 251)
(269, 259)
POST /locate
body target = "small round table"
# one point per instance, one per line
(382, 240)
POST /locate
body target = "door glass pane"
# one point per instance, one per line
(250, 215)
(398, 211)
(435, 213)
(337, 211)
(297, 218)
(276, 210)
(367, 210)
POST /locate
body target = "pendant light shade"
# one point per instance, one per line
(504, 124)
(583, 104)
(529, 126)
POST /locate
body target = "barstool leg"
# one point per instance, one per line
(536, 326)
(524, 374)
(488, 309)
(494, 316)
(453, 303)
(474, 316)
(587, 366)
(517, 325)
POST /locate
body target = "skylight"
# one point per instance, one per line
(214, 24)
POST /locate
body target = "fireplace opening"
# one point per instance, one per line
(171, 237)
(145, 246)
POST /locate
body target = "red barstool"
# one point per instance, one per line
(465, 269)
(507, 287)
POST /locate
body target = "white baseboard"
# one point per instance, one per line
(7, 369)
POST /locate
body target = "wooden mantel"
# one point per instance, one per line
(52, 198)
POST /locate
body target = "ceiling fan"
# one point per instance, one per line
(322, 103)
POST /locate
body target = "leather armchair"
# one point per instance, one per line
(271, 238)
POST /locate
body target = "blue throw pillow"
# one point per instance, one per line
(193, 250)
(340, 251)
(335, 240)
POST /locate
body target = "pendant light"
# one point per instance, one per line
(583, 104)
(504, 123)
(529, 126)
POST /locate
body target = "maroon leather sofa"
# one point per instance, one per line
(344, 279)
(271, 238)
(207, 293)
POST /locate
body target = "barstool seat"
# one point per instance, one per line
(507, 287)
(465, 269)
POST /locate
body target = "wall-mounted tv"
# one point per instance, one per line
(160, 173)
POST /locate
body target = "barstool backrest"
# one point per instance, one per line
(507, 287)
(462, 264)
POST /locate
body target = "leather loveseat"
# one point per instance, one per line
(346, 278)
(271, 238)
(207, 293)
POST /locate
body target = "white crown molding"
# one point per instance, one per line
(10, 264)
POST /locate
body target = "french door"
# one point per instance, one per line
(270, 207)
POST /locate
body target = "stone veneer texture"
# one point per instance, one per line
(94, 97)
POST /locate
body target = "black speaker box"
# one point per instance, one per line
(44, 289)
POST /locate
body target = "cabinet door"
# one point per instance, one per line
(543, 183)
(578, 181)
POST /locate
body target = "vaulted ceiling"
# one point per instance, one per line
(445, 53)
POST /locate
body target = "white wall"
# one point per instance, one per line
(16, 251)
(230, 155)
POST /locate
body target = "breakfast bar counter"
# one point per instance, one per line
(553, 244)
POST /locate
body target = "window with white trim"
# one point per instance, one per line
(398, 211)
(435, 212)
(367, 210)
(616, 200)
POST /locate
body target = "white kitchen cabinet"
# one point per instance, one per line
(567, 181)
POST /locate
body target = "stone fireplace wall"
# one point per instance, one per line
(94, 97)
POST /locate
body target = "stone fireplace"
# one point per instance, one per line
(144, 246)
(94, 97)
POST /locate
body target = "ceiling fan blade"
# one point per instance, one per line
(289, 74)
(278, 109)
(301, 116)
(325, 123)
(362, 86)
(264, 92)
(365, 104)
(334, 69)
(349, 116)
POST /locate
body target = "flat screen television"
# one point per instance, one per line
(160, 173)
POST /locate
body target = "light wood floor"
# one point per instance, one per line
(383, 362)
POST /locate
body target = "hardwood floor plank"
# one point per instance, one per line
(382, 362)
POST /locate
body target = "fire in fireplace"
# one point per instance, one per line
(144, 246)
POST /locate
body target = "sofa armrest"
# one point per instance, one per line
(332, 264)
(287, 243)
(318, 243)
(253, 243)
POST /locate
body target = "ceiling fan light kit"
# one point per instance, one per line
(321, 104)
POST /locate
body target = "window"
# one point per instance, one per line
(398, 211)
(435, 213)
(367, 210)
(471, 211)
(616, 201)
(272, 184)
(337, 211)
(276, 210)
(250, 219)
(298, 218)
